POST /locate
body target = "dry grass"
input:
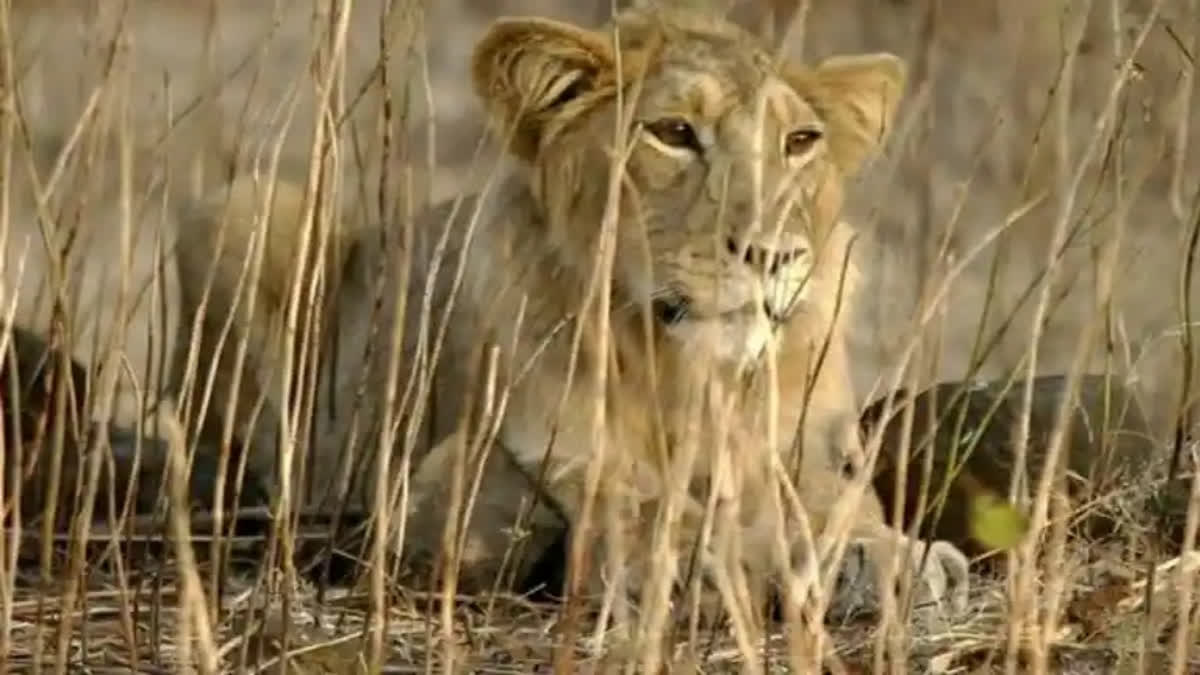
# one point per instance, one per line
(1040, 190)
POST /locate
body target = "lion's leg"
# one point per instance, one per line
(942, 578)
(833, 453)
(494, 547)
(624, 544)
(824, 485)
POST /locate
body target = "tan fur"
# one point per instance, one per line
(690, 372)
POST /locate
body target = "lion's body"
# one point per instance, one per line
(701, 384)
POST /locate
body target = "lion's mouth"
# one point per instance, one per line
(670, 311)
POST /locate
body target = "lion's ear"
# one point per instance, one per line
(857, 96)
(528, 70)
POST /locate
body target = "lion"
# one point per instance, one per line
(715, 176)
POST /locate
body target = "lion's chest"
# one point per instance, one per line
(724, 433)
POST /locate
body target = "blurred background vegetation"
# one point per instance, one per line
(1004, 101)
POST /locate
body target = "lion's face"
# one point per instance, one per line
(733, 174)
(727, 190)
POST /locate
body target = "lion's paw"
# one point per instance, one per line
(943, 574)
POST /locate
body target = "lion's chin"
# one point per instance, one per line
(733, 338)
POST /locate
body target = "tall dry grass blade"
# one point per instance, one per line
(1070, 186)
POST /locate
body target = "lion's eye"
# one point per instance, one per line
(675, 132)
(799, 142)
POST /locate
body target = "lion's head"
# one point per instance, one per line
(735, 167)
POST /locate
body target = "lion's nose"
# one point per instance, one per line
(770, 259)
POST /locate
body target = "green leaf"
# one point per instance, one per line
(995, 523)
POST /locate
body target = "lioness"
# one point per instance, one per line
(726, 281)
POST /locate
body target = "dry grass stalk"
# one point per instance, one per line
(210, 628)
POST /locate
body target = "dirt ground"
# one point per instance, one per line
(987, 134)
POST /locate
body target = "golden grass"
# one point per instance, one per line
(84, 179)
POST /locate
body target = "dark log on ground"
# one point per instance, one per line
(39, 429)
(1108, 448)
(36, 424)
